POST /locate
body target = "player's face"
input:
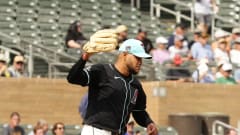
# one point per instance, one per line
(134, 63)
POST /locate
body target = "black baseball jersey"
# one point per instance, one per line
(112, 96)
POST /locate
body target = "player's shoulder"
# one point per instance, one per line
(102, 66)
(95, 67)
(136, 83)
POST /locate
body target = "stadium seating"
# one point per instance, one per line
(34, 19)
(167, 131)
(72, 130)
(76, 129)
(1, 128)
(45, 22)
(42, 21)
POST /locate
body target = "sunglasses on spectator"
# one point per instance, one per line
(229, 71)
(19, 62)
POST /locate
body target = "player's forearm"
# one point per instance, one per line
(142, 118)
(73, 44)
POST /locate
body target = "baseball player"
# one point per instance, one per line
(113, 92)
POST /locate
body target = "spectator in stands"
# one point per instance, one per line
(43, 124)
(38, 130)
(237, 75)
(75, 38)
(220, 53)
(130, 128)
(178, 47)
(122, 31)
(235, 52)
(160, 54)
(235, 55)
(176, 72)
(220, 35)
(17, 69)
(219, 68)
(202, 74)
(142, 36)
(234, 36)
(58, 128)
(14, 121)
(196, 36)
(226, 78)
(12, 56)
(203, 10)
(202, 49)
(18, 131)
(3, 67)
(180, 30)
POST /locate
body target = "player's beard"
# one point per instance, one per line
(133, 71)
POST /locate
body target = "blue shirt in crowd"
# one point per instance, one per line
(200, 51)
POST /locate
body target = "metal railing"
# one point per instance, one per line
(217, 17)
(38, 50)
(136, 3)
(8, 50)
(158, 7)
(215, 129)
(52, 71)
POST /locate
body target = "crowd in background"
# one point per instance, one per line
(215, 60)
(42, 127)
(16, 69)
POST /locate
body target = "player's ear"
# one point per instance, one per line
(123, 56)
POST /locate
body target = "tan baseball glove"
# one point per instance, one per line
(102, 41)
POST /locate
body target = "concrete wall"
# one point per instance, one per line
(56, 100)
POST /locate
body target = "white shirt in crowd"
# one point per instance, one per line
(235, 55)
(203, 7)
(220, 55)
(173, 51)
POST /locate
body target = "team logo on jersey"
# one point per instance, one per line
(134, 98)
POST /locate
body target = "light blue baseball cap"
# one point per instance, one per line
(135, 47)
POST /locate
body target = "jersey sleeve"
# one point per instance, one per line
(78, 74)
(139, 112)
